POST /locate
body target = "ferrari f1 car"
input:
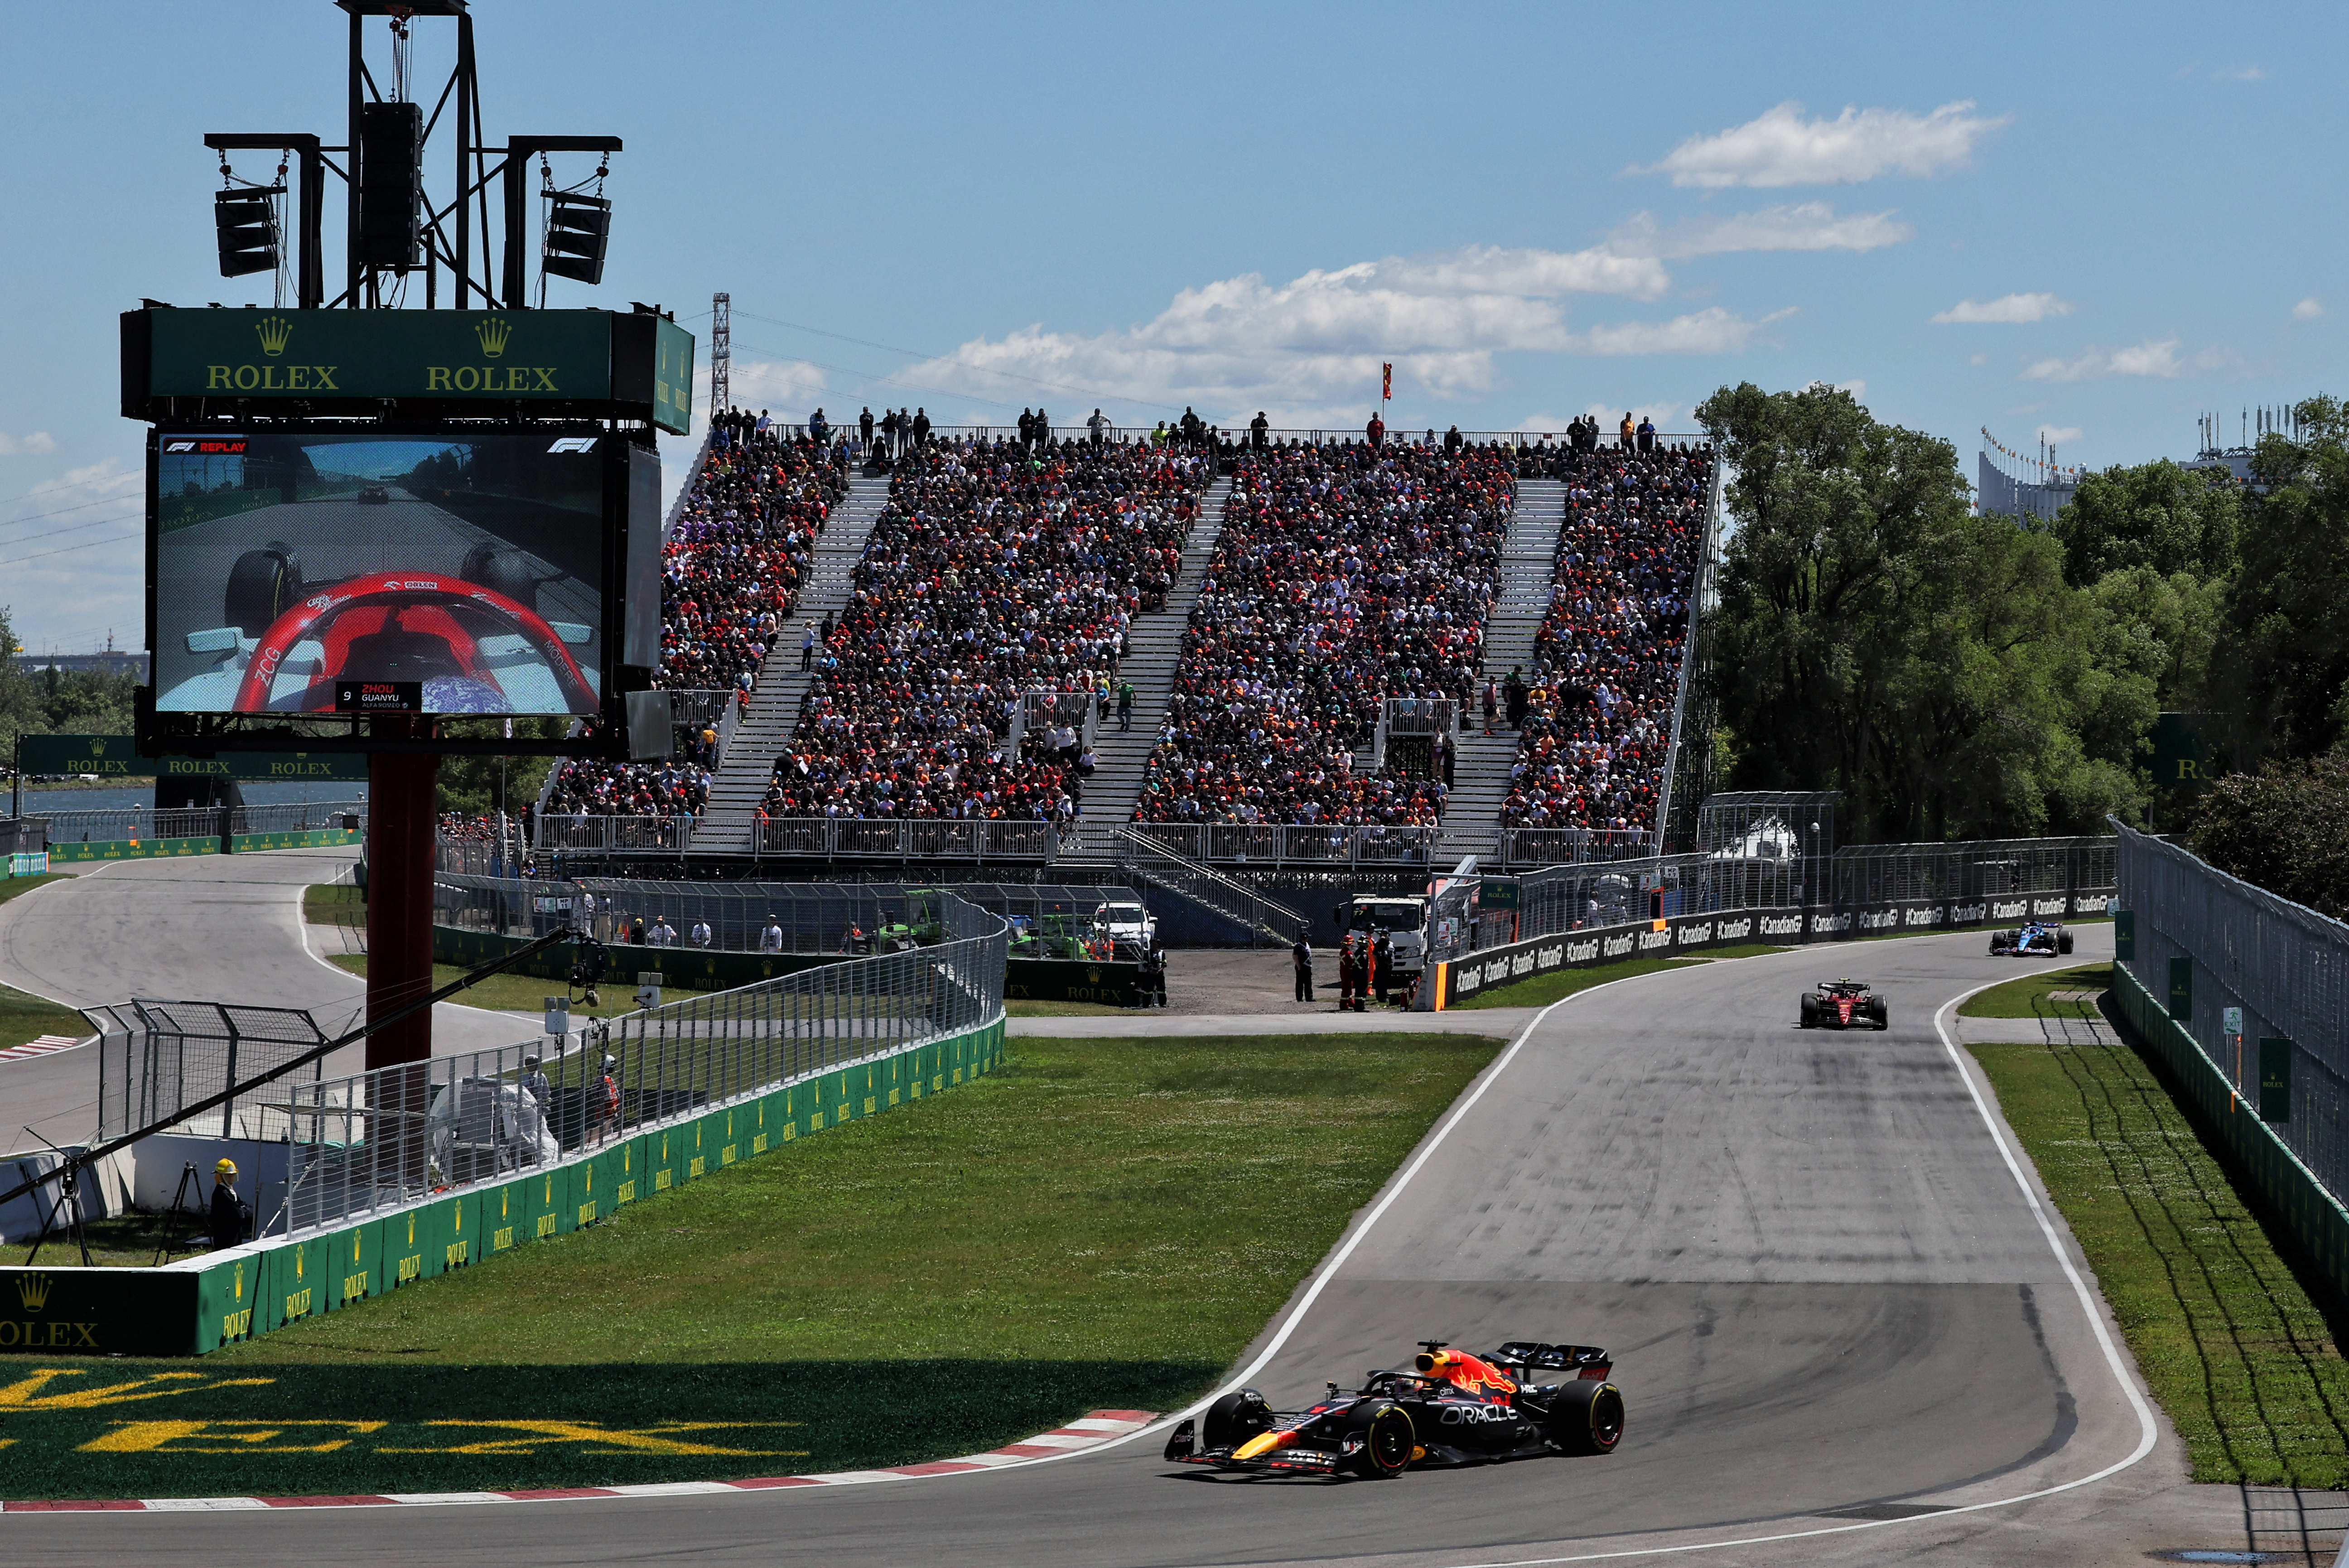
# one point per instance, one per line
(473, 638)
(1844, 1005)
(1451, 1408)
(2036, 940)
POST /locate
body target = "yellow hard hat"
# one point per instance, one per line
(225, 1167)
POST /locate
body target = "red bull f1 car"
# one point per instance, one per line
(2036, 940)
(1452, 1408)
(1844, 1005)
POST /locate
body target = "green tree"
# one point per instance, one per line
(2284, 828)
(478, 786)
(20, 703)
(1876, 636)
(2155, 515)
(2283, 656)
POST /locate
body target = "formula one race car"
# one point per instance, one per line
(2037, 940)
(473, 639)
(1844, 1005)
(1453, 1408)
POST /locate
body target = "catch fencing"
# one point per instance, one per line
(789, 917)
(156, 1058)
(1286, 844)
(2203, 943)
(370, 1142)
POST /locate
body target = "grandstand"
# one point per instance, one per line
(985, 601)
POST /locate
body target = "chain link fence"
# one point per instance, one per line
(2284, 965)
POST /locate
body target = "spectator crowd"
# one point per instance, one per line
(1343, 575)
(730, 573)
(1597, 712)
(998, 568)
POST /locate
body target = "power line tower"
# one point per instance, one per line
(721, 352)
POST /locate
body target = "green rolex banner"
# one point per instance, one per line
(117, 756)
(529, 354)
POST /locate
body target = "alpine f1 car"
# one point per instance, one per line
(1844, 1005)
(1452, 1408)
(473, 638)
(2036, 940)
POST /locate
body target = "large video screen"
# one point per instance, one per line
(344, 572)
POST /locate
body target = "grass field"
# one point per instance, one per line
(1037, 1009)
(1544, 989)
(1102, 1224)
(334, 904)
(528, 994)
(2027, 997)
(2247, 1366)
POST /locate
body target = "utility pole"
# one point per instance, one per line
(721, 353)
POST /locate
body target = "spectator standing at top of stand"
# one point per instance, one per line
(921, 427)
(1257, 429)
(1625, 432)
(1376, 429)
(864, 426)
(1098, 425)
(1647, 434)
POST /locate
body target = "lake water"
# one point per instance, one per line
(41, 802)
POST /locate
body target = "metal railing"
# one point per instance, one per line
(1572, 846)
(2283, 964)
(1285, 845)
(1997, 869)
(700, 706)
(905, 838)
(381, 1139)
(782, 918)
(129, 824)
(299, 816)
(1151, 859)
(1037, 714)
(1418, 715)
(666, 834)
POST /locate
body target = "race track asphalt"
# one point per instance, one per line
(1823, 1283)
(208, 928)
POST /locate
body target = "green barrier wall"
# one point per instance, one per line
(2318, 1224)
(308, 838)
(196, 1306)
(134, 849)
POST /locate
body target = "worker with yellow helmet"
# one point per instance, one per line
(230, 1218)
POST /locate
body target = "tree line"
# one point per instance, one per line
(1962, 676)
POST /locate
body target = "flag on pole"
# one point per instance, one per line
(1386, 383)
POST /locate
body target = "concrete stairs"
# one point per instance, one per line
(749, 761)
(1480, 777)
(1120, 757)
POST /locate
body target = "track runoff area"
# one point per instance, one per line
(1848, 1325)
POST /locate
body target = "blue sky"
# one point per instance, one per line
(2100, 222)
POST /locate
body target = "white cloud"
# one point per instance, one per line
(2308, 309)
(107, 478)
(2013, 308)
(40, 443)
(1710, 331)
(2058, 435)
(1979, 359)
(1781, 147)
(2145, 360)
(1308, 351)
(1801, 226)
(2240, 74)
(782, 385)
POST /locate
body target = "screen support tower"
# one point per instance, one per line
(392, 229)
(721, 352)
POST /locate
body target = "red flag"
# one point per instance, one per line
(1386, 383)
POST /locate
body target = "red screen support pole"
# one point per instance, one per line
(400, 824)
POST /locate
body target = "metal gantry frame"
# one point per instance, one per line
(474, 171)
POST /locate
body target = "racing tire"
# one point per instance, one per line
(1234, 1419)
(2063, 942)
(502, 571)
(1810, 1010)
(1587, 1417)
(1876, 1010)
(1389, 1440)
(262, 584)
(1993, 947)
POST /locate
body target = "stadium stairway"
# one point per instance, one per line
(749, 761)
(1121, 756)
(1480, 774)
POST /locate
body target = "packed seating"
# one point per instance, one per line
(997, 568)
(730, 573)
(1607, 663)
(1344, 573)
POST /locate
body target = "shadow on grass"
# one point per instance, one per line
(83, 1428)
